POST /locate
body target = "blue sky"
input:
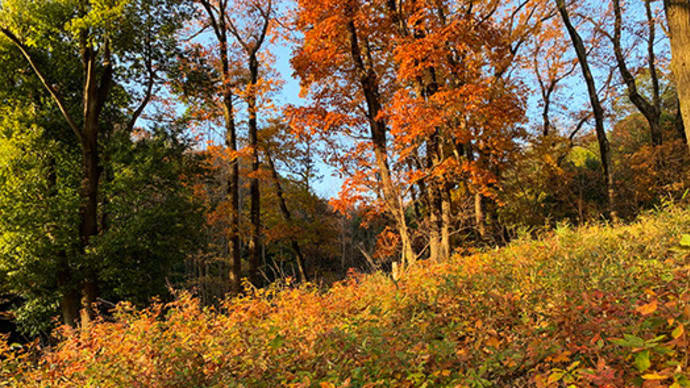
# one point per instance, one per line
(572, 95)
(329, 185)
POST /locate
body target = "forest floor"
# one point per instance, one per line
(591, 306)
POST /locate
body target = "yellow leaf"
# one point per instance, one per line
(445, 373)
(493, 342)
(648, 308)
(654, 376)
(678, 331)
(563, 357)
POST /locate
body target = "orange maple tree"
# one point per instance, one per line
(418, 93)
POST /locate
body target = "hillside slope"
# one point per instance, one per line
(594, 306)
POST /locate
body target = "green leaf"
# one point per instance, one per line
(678, 331)
(619, 341)
(634, 341)
(555, 376)
(629, 340)
(277, 342)
(642, 362)
(685, 241)
(573, 366)
(663, 350)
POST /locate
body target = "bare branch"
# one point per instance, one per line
(53, 92)
(149, 86)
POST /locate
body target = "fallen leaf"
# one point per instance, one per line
(648, 308)
(678, 331)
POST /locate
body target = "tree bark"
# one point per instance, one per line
(89, 221)
(378, 127)
(678, 123)
(233, 193)
(255, 211)
(70, 304)
(434, 204)
(545, 110)
(479, 216)
(597, 110)
(69, 299)
(95, 95)
(438, 227)
(218, 22)
(678, 17)
(251, 43)
(650, 110)
(287, 216)
(446, 215)
(415, 203)
(479, 224)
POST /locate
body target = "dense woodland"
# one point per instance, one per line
(151, 157)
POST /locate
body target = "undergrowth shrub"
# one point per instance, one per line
(594, 306)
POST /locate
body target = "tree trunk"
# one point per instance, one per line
(69, 298)
(445, 222)
(479, 216)
(70, 305)
(415, 203)
(95, 96)
(392, 198)
(421, 184)
(597, 110)
(88, 213)
(426, 89)
(678, 123)
(479, 224)
(287, 216)
(650, 110)
(234, 196)
(434, 157)
(89, 294)
(545, 113)
(255, 211)
(678, 17)
(434, 204)
(233, 188)
(657, 133)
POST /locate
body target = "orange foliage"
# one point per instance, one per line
(415, 87)
(535, 313)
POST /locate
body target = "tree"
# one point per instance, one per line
(651, 110)
(678, 18)
(597, 110)
(444, 58)
(153, 221)
(216, 16)
(232, 70)
(432, 89)
(269, 144)
(336, 52)
(110, 58)
(256, 18)
(551, 69)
